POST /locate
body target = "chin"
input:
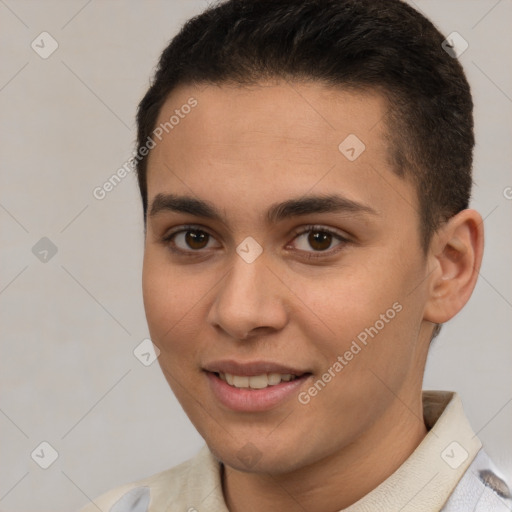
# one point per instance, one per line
(251, 454)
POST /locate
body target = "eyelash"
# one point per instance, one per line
(168, 239)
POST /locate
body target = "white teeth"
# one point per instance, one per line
(256, 381)
(240, 381)
(273, 378)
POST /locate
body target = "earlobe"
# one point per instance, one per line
(456, 256)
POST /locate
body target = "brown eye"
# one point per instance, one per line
(319, 240)
(196, 239)
(190, 240)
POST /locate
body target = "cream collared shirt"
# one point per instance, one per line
(447, 472)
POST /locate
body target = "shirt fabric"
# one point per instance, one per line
(447, 472)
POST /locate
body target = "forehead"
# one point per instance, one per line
(256, 144)
(238, 120)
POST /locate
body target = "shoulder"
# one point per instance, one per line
(136, 496)
(482, 487)
(177, 485)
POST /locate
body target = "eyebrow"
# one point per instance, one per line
(277, 212)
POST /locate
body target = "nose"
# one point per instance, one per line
(249, 301)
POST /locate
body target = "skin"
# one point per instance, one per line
(244, 149)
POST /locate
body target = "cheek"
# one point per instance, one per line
(345, 303)
(367, 313)
(172, 302)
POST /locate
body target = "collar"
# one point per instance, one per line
(423, 483)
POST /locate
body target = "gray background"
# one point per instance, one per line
(70, 325)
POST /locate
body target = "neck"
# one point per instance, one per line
(339, 480)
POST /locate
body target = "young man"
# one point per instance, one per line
(305, 171)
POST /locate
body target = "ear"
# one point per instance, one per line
(455, 256)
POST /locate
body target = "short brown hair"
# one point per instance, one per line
(382, 45)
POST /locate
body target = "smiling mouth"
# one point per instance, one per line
(262, 381)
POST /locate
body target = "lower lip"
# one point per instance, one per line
(253, 400)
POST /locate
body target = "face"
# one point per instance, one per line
(283, 280)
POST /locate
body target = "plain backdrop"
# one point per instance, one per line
(71, 320)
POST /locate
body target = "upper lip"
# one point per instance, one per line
(251, 368)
